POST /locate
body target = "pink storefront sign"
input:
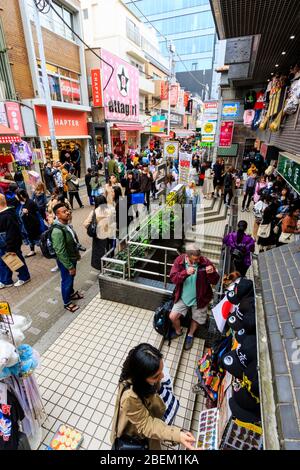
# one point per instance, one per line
(121, 95)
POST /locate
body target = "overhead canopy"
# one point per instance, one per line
(272, 21)
(8, 136)
(128, 127)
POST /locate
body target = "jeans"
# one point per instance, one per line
(249, 194)
(67, 283)
(147, 200)
(76, 195)
(6, 274)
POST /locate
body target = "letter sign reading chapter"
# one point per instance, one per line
(97, 88)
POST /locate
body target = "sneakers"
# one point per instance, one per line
(3, 286)
(243, 210)
(30, 254)
(188, 343)
(247, 210)
(55, 269)
(20, 283)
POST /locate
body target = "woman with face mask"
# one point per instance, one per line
(139, 410)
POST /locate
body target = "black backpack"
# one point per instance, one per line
(46, 245)
(161, 321)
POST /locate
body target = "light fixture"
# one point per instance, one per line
(277, 65)
(272, 73)
(283, 53)
(292, 37)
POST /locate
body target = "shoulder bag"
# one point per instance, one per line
(128, 443)
(287, 238)
(92, 228)
(264, 231)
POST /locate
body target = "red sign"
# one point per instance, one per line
(70, 91)
(14, 117)
(174, 95)
(68, 123)
(186, 99)
(97, 88)
(226, 133)
(164, 91)
(264, 150)
(211, 107)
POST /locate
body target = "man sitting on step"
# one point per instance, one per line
(193, 276)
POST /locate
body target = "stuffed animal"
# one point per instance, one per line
(22, 361)
(8, 357)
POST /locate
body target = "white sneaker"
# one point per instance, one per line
(20, 283)
(55, 269)
(3, 286)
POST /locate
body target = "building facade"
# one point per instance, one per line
(189, 24)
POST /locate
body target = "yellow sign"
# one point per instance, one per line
(208, 128)
(171, 149)
(5, 308)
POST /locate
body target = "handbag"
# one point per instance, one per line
(237, 254)
(92, 228)
(287, 238)
(276, 229)
(137, 198)
(264, 231)
(125, 442)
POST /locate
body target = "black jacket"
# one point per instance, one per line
(9, 224)
(146, 182)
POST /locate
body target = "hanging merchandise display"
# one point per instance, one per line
(21, 405)
(257, 119)
(250, 100)
(22, 153)
(260, 100)
(249, 117)
(293, 99)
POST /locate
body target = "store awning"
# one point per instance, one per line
(184, 133)
(128, 127)
(7, 136)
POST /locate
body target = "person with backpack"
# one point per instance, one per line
(241, 246)
(73, 188)
(229, 186)
(193, 276)
(96, 184)
(66, 248)
(10, 243)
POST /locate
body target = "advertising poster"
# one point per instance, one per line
(208, 139)
(211, 107)
(97, 88)
(209, 128)
(14, 117)
(226, 133)
(171, 149)
(185, 164)
(158, 124)
(231, 110)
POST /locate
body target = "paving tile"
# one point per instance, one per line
(288, 331)
(284, 389)
(276, 342)
(95, 444)
(82, 424)
(289, 421)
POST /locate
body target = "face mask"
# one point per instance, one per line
(22, 202)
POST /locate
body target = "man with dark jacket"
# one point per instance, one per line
(10, 243)
(146, 184)
(193, 276)
(218, 170)
(49, 177)
(65, 244)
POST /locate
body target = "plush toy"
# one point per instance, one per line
(22, 361)
(21, 323)
(8, 357)
(17, 334)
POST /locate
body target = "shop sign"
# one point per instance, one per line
(70, 90)
(189, 108)
(158, 124)
(211, 107)
(67, 122)
(289, 169)
(14, 117)
(174, 95)
(264, 150)
(171, 149)
(3, 117)
(97, 88)
(186, 99)
(120, 90)
(231, 110)
(208, 139)
(176, 119)
(209, 128)
(123, 136)
(226, 133)
(164, 90)
(185, 163)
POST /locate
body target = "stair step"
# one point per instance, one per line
(173, 354)
(184, 382)
(211, 253)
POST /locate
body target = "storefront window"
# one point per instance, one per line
(64, 84)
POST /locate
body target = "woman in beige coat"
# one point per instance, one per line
(139, 409)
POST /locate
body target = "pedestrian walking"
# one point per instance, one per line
(249, 192)
(208, 188)
(66, 246)
(146, 181)
(139, 410)
(87, 179)
(193, 276)
(73, 188)
(10, 243)
(49, 177)
(29, 214)
(39, 197)
(193, 198)
(241, 246)
(113, 167)
(229, 186)
(76, 160)
(218, 170)
(106, 229)
(109, 189)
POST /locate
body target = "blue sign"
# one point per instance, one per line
(231, 110)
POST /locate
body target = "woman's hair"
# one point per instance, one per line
(118, 192)
(242, 227)
(56, 192)
(293, 208)
(22, 194)
(40, 187)
(230, 278)
(100, 200)
(142, 362)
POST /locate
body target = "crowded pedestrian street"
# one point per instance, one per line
(149, 229)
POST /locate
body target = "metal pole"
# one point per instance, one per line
(128, 260)
(45, 80)
(165, 269)
(171, 76)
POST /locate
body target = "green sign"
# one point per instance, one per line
(289, 169)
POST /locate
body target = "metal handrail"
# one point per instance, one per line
(165, 248)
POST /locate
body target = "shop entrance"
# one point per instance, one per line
(67, 146)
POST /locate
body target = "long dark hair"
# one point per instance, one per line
(22, 194)
(100, 201)
(242, 227)
(142, 362)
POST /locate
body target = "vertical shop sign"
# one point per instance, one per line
(289, 169)
(164, 90)
(97, 88)
(3, 117)
(185, 161)
(226, 133)
(174, 95)
(14, 117)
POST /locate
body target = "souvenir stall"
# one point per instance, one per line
(228, 376)
(21, 407)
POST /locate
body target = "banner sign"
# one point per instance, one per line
(97, 88)
(289, 169)
(171, 149)
(208, 138)
(209, 128)
(14, 117)
(185, 164)
(231, 110)
(211, 107)
(158, 124)
(226, 133)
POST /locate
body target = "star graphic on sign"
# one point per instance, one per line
(123, 82)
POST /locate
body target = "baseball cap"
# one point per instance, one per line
(243, 289)
(245, 407)
(238, 361)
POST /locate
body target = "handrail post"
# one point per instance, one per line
(165, 269)
(128, 261)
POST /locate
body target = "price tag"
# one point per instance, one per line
(3, 394)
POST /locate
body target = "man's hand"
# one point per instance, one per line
(190, 271)
(72, 272)
(209, 269)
